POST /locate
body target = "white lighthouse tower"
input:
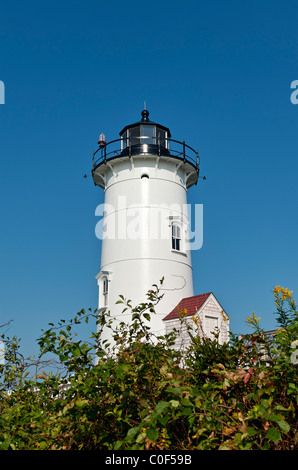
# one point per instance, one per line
(145, 225)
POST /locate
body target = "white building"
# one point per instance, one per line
(203, 315)
(145, 227)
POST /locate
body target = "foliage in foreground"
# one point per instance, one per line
(147, 394)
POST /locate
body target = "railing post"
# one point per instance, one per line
(197, 159)
(184, 150)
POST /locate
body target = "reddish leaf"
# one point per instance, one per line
(246, 378)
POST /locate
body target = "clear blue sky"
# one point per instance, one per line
(216, 73)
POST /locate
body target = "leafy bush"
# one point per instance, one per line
(145, 394)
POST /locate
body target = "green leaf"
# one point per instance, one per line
(280, 408)
(251, 432)
(132, 432)
(186, 402)
(161, 405)
(5, 445)
(117, 445)
(174, 403)
(81, 403)
(284, 426)
(152, 434)
(76, 352)
(187, 411)
(273, 435)
(163, 419)
(174, 390)
(43, 445)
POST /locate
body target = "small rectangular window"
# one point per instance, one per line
(105, 291)
(176, 237)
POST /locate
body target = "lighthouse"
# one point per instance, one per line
(144, 222)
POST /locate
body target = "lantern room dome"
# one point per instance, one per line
(145, 121)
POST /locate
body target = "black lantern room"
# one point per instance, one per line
(145, 136)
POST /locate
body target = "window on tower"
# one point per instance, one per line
(176, 237)
(105, 291)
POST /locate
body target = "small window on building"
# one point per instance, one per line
(176, 237)
(144, 175)
(105, 291)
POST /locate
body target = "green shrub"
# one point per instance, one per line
(145, 394)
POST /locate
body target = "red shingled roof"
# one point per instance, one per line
(191, 304)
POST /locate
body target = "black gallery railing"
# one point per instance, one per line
(129, 146)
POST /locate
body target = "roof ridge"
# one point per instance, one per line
(197, 295)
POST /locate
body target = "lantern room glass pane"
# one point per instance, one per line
(149, 132)
(124, 140)
(161, 138)
(134, 134)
